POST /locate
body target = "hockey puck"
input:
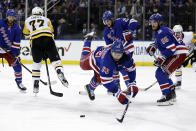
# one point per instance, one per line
(82, 115)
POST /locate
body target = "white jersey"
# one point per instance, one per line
(189, 39)
(37, 26)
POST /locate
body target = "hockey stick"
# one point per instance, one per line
(43, 82)
(51, 91)
(124, 113)
(145, 89)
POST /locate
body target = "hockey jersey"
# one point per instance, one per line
(37, 26)
(120, 27)
(10, 37)
(167, 43)
(102, 62)
(189, 38)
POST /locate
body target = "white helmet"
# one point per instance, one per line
(177, 28)
(37, 11)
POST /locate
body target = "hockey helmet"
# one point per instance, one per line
(156, 17)
(177, 28)
(117, 47)
(10, 12)
(37, 11)
(107, 15)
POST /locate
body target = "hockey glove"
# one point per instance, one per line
(151, 49)
(127, 35)
(132, 90)
(121, 96)
(159, 61)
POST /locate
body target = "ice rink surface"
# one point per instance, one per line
(45, 112)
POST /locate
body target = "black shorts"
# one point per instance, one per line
(44, 47)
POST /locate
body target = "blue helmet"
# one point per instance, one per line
(11, 12)
(107, 15)
(117, 47)
(156, 17)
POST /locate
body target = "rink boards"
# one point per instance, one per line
(70, 51)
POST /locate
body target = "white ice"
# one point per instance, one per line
(45, 112)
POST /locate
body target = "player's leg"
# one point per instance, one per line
(162, 79)
(54, 57)
(18, 76)
(178, 75)
(162, 75)
(37, 54)
(17, 70)
(90, 88)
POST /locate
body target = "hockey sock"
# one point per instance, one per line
(36, 71)
(86, 48)
(93, 84)
(58, 65)
(18, 72)
(163, 81)
(178, 74)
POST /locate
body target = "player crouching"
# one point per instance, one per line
(105, 62)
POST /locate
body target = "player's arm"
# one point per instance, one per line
(15, 48)
(131, 25)
(105, 35)
(26, 32)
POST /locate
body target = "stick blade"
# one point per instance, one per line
(56, 94)
(119, 120)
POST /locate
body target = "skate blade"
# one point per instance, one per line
(23, 91)
(167, 103)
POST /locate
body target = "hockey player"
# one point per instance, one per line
(122, 30)
(189, 38)
(172, 56)
(40, 31)
(10, 33)
(106, 62)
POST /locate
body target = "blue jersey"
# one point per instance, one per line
(167, 42)
(102, 62)
(10, 37)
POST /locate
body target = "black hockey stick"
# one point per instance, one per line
(51, 91)
(124, 113)
(45, 83)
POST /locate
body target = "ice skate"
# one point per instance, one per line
(178, 85)
(36, 87)
(165, 100)
(89, 36)
(62, 78)
(89, 92)
(21, 86)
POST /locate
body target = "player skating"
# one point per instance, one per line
(10, 33)
(189, 38)
(106, 62)
(40, 31)
(173, 54)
